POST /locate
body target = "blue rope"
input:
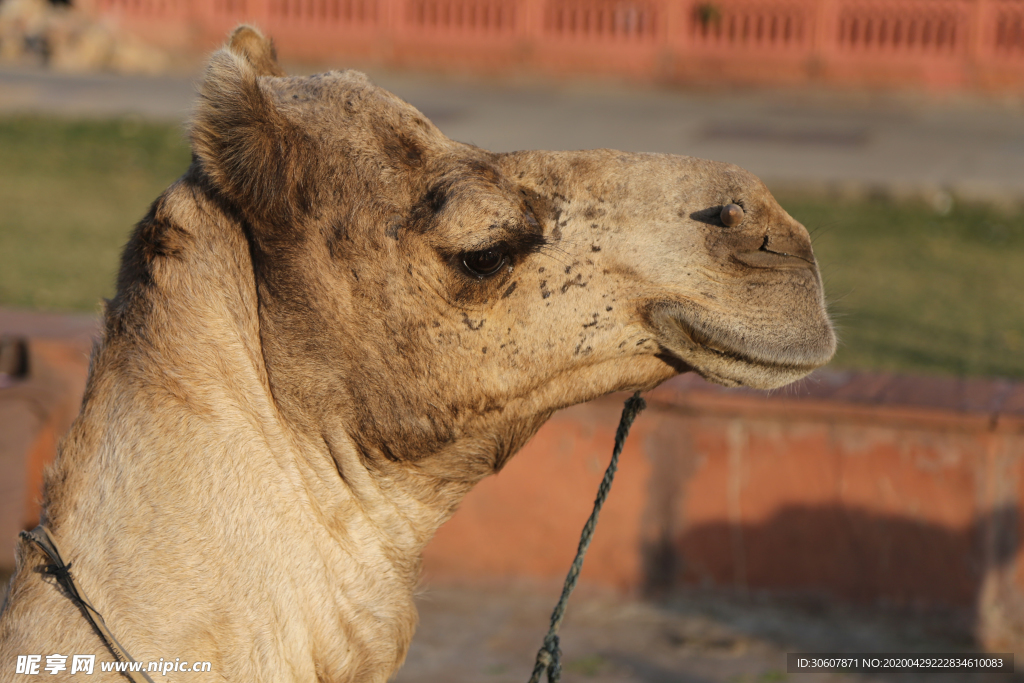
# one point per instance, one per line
(549, 655)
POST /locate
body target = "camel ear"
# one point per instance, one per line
(237, 130)
(251, 45)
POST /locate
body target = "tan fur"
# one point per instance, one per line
(299, 378)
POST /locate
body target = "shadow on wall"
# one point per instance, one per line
(967, 577)
(860, 556)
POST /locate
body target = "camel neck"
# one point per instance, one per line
(406, 505)
(181, 454)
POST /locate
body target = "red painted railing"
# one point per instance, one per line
(758, 26)
(930, 43)
(927, 28)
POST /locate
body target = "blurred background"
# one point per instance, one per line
(873, 507)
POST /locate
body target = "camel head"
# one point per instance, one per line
(429, 298)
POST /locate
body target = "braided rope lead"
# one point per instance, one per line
(549, 655)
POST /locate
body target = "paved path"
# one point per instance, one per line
(95, 95)
(491, 636)
(826, 140)
(81, 328)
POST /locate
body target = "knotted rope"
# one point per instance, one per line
(549, 655)
(61, 571)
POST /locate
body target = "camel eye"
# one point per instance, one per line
(484, 263)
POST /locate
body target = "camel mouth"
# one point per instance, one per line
(748, 356)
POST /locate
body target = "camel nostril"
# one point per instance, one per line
(732, 215)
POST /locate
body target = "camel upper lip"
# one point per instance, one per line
(766, 258)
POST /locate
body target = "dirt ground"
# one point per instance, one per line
(491, 635)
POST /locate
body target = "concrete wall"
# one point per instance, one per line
(34, 413)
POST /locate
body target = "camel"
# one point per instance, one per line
(332, 326)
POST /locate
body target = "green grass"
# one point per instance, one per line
(70, 191)
(911, 290)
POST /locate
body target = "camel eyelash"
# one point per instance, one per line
(530, 243)
(486, 261)
(515, 246)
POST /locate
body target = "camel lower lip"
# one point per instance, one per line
(706, 342)
(700, 339)
(689, 342)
